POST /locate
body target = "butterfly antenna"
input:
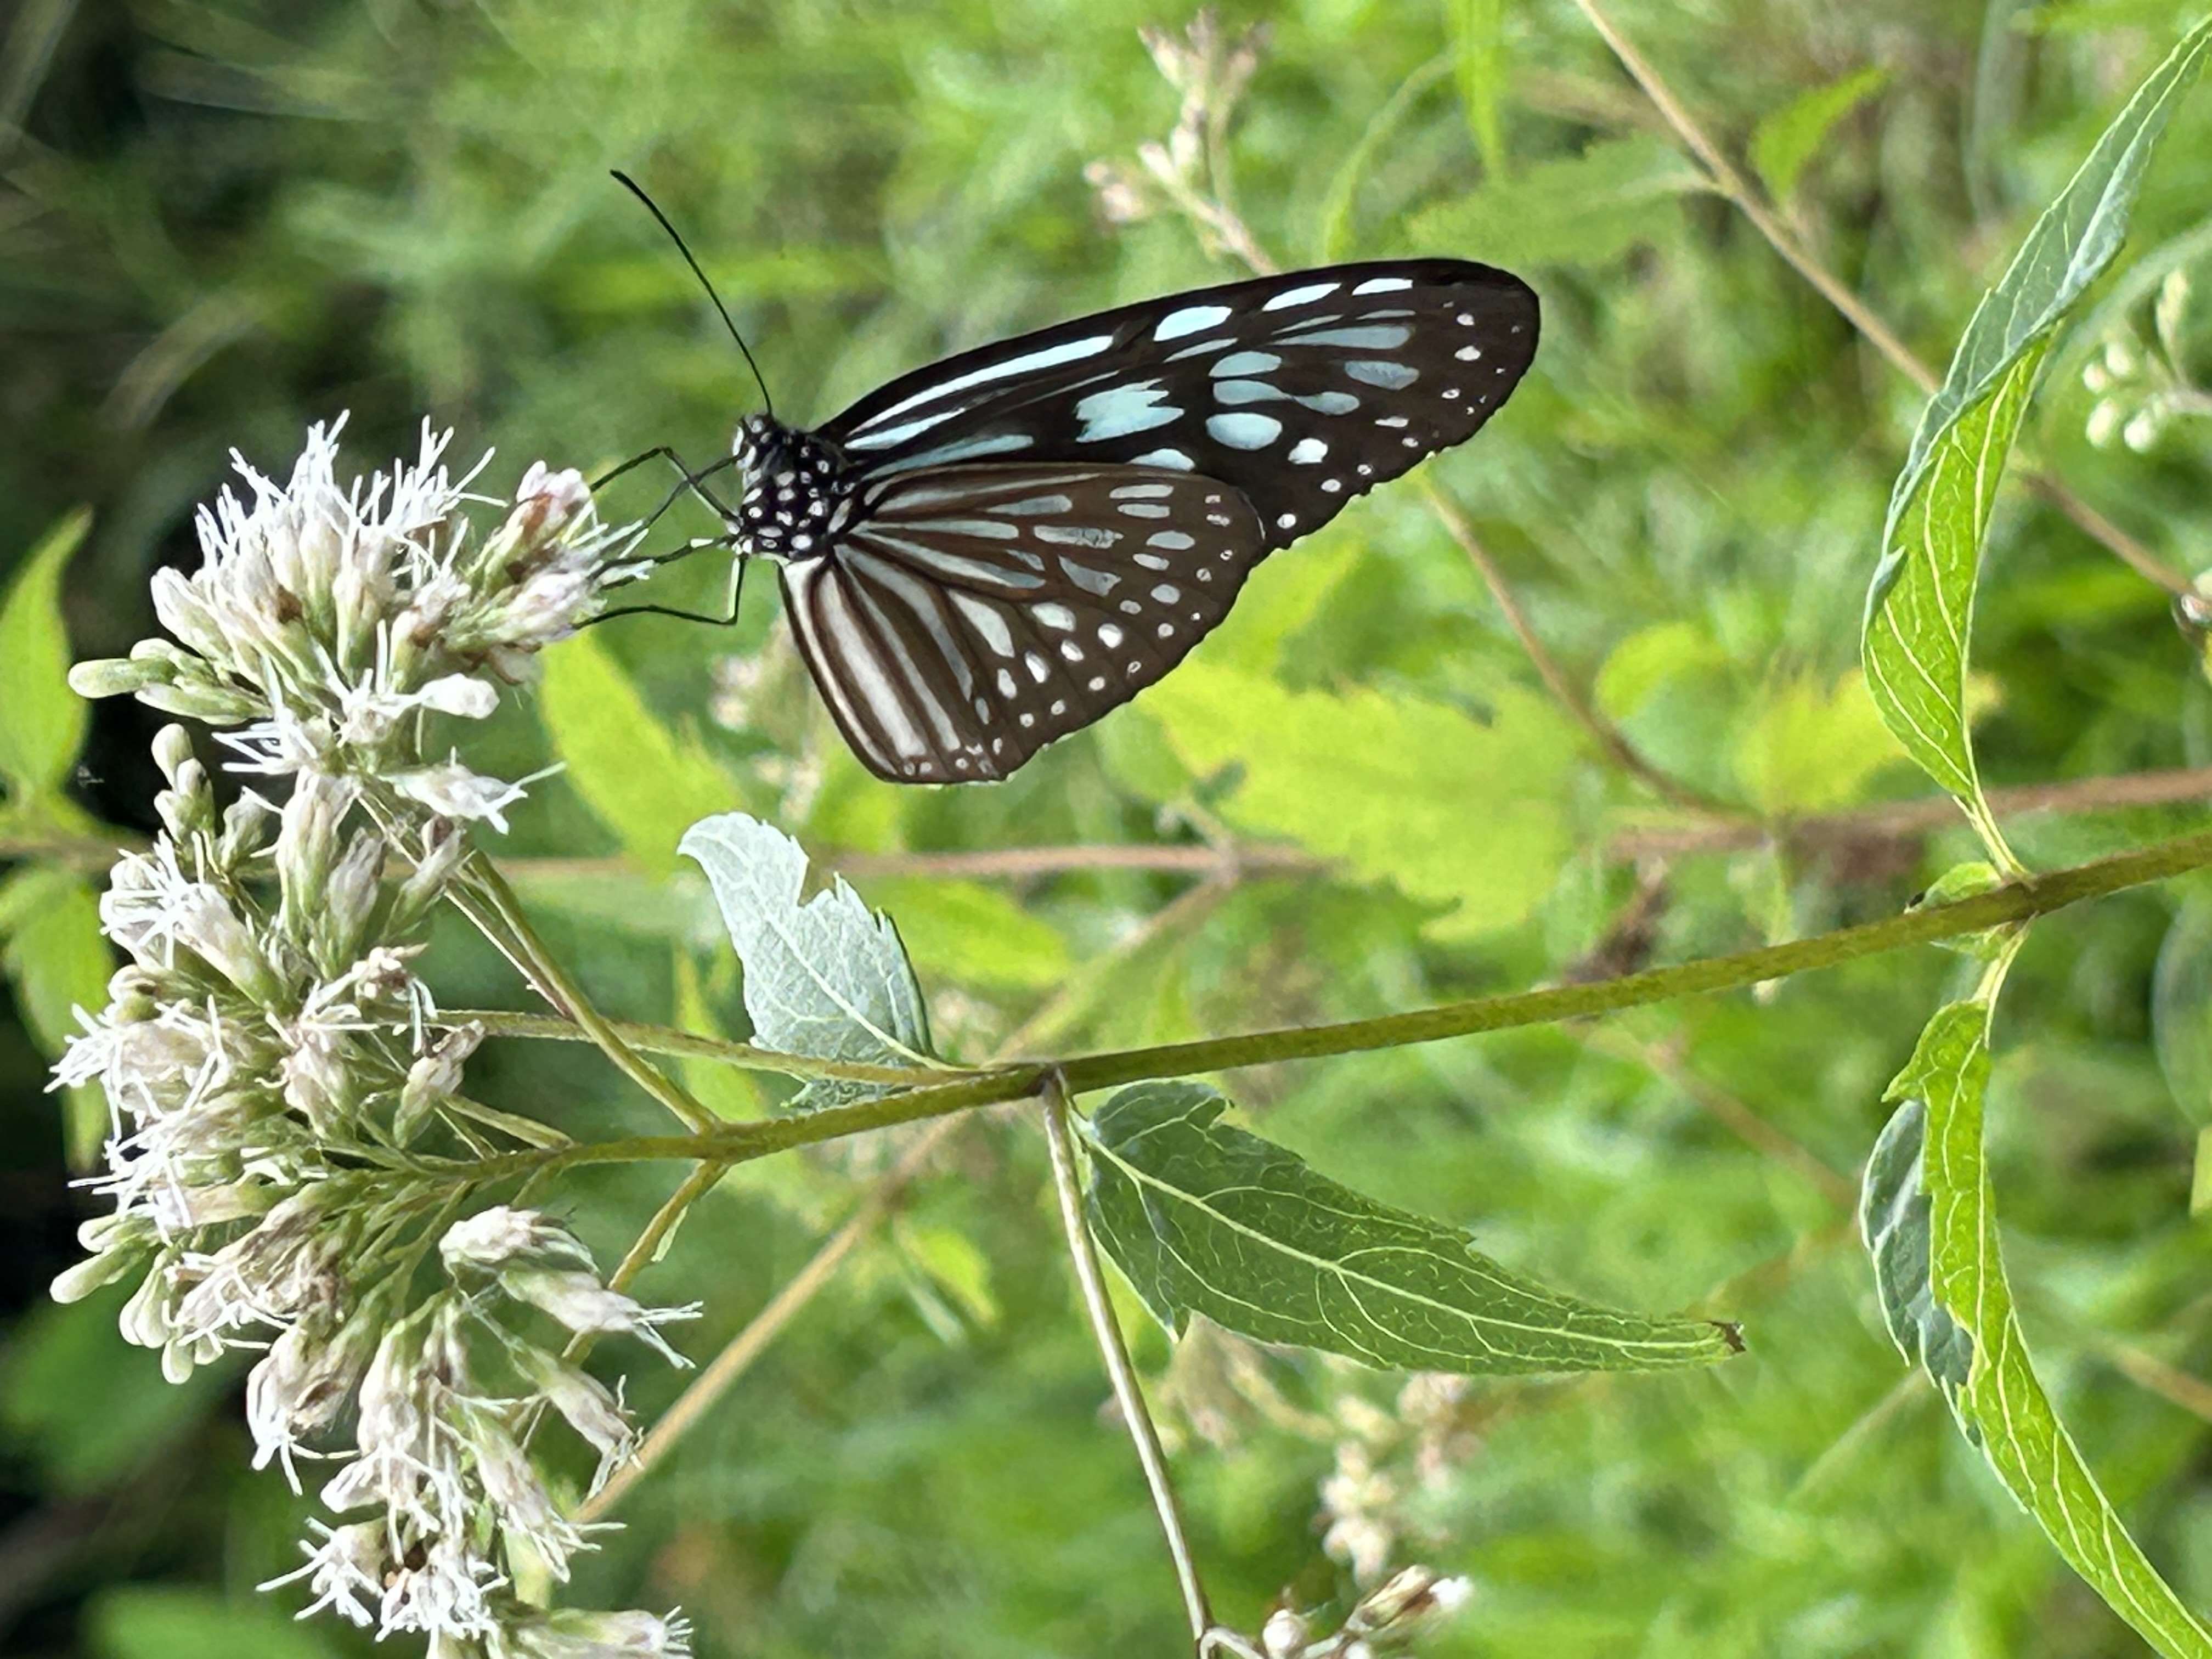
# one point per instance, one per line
(651, 207)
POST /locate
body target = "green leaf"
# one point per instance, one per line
(1789, 138)
(85, 1407)
(1918, 610)
(1283, 597)
(1587, 211)
(1894, 1221)
(139, 1621)
(1929, 1217)
(1922, 593)
(1479, 31)
(728, 1092)
(643, 781)
(973, 934)
(954, 1262)
(1400, 791)
(2181, 1009)
(1650, 658)
(1207, 1220)
(58, 961)
(45, 723)
(1811, 748)
(826, 977)
(1343, 192)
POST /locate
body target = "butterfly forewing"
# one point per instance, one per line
(966, 616)
(1301, 390)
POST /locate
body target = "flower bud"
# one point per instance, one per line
(450, 789)
(117, 677)
(341, 928)
(583, 1401)
(307, 841)
(76, 1283)
(245, 828)
(444, 846)
(574, 1633)
(189, 808)
(144, 1320)
(495, 1239)
(204, 700)
(202, 920)
(1284, 1635)
(579, 1301)
(461, 694)
(172, 747)
(435, 1075)
(184, 612)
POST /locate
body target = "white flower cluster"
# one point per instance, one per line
(1211, 68)
(446, 1401)
(325, 622)
(2141, 390)
(1390, 1619)
(290, 1142)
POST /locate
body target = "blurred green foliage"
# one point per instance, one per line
(219, 221)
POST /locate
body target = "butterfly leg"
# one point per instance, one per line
(737, 592)
(690, 481)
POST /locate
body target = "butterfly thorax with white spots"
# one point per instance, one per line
(791, 491)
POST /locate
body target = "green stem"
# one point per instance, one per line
(2020, 902)
(688, 1045)
(480, 885)
(1136, 1417)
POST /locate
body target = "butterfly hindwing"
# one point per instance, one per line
(965, 616)
(1301, 390)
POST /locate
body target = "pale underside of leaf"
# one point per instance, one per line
(1205, 1218)
(826, 977)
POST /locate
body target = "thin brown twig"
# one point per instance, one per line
(735, 1359)
(1892, 819)
(1018, 863)
(1730, 182)
(1724, 1108)
(1895, 820)
(2175, 1387)
(1607, 736)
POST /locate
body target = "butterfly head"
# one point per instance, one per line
(787, 489)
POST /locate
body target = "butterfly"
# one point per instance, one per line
(992, 552)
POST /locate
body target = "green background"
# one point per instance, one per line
(218, 222)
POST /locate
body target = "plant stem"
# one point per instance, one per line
(1083, 1254)
(696, 1185)
(688, 1045)
(2115, 792)
(1731, 183)
(1900, 819)
(2021, 901)
(481, 882)
(765, 1326)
